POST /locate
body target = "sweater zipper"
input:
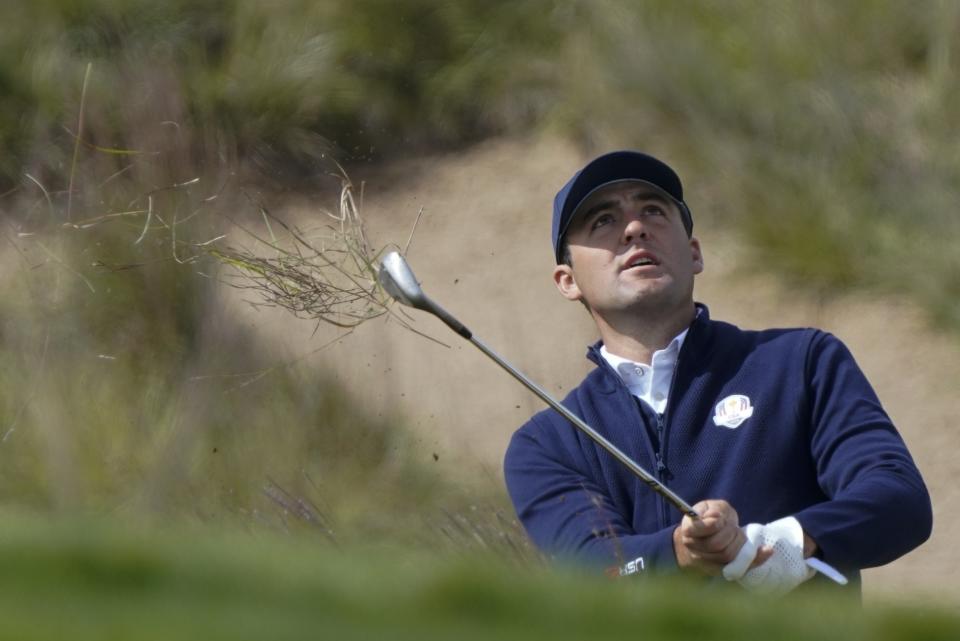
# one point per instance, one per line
(651, 449)
(661, 465)
(661, 456)
(662, 472)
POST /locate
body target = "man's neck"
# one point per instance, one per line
(637, 336)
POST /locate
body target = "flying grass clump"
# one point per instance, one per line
(328, 275)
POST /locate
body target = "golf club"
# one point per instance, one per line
(398, 281)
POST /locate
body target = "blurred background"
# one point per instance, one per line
(816, 141)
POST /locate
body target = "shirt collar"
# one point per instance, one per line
(671, 350)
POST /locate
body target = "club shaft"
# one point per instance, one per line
(428, 305)
(597, 438)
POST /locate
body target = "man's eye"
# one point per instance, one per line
(601, 220)
(653, 210)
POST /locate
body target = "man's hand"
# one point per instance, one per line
(708, 543)
(810, 546)
(786, 569)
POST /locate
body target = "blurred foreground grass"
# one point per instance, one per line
(68, 579)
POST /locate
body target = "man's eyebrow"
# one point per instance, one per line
(651, 195)
(640, 195)
(606, 204)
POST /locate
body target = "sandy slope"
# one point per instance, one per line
(482, 250)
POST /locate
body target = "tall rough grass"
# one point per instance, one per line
(127, 387)
(820, 131)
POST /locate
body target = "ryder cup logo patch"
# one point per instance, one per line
(732, 411)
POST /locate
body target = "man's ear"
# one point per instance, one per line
(566, 283)
(697, 255)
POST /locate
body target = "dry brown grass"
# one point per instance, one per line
(327, 274)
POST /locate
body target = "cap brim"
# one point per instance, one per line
(578, 208)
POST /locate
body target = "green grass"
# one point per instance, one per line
(83, 579)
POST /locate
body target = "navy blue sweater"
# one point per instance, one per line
(818, 446)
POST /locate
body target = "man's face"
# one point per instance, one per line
(629, 250)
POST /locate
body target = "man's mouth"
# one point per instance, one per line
(641, 259)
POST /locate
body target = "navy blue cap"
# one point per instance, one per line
(616, 166)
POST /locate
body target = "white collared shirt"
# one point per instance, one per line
(650, 383)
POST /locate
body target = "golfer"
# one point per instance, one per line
(776, 433)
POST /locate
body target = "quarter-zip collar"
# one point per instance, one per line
(649, 383)
(611, 379)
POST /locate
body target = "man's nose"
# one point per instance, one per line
(635, 228)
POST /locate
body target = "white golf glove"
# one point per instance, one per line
(783, 571)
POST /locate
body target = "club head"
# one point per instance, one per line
(398, 280)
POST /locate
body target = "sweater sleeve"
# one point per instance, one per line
(879, 508)
(567, 515)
